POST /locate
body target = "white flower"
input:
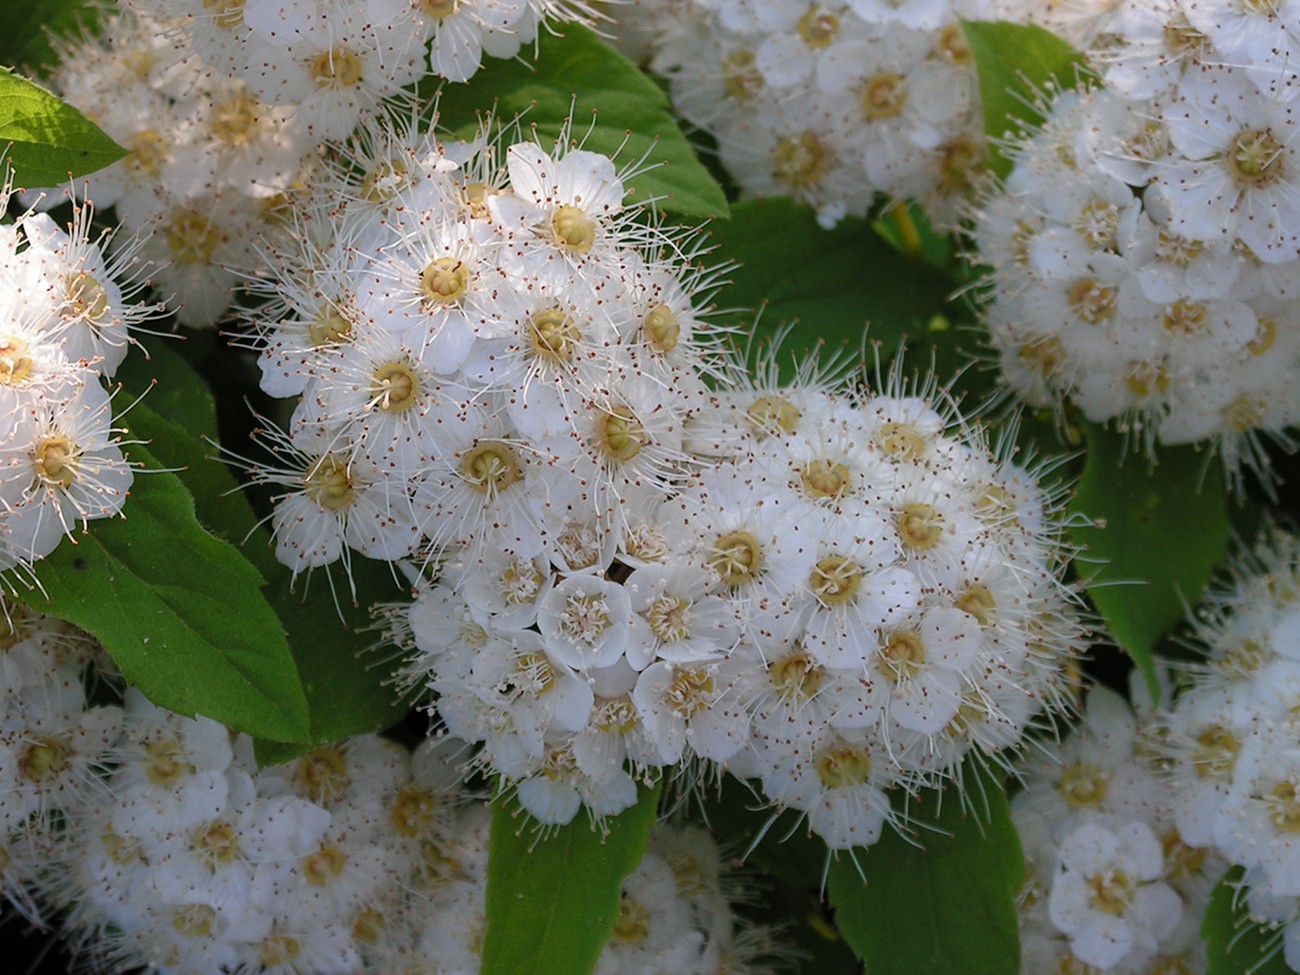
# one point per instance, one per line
(1107, 895)
(584, 621)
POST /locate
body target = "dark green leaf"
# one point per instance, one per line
(348, 687)
(29, 23)
(831, 284)
(577, 74)
(787, 865)
(173, 387)
(944, 903)
(552, 903)
(1159, 532)
(178, 610)
(1234, 944)
(1016, 65)
(48, 141)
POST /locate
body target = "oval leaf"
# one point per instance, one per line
(828, 284)
(552, 903)
(578, 73)
(348, 692)
(1157, 532)
(1234, 945)
(943, 903)
(178, 610)
(1016, 64)
(48, 141)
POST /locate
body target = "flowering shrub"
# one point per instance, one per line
(469, 503)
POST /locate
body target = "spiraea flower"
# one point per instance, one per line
(832, 103)
(1117, 288)
(1229, 739)
(1113, 883)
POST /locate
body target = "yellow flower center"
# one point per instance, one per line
(1110, 891)
(824, 479)
(329, 484)
(767, 414)
(444, 281)
(326, 864)
(337, 69)
(800, 161)
(573, 229)
(1082, 784)
(689, 691)
(1093, 302)
(661, 329)
(216, 842)
(15, 360)
(1215, 752)
(321, 775)
(736, 558)
(1255, 158)
(739, 76)
(86, 297)
(552, 335)
(902, 655)
(882, 96)
(490, 468)
(55, 461)
(44, 759)
(919, 526)
(796, 675)
(834, 580)
(328, 327)
(843, 766)
(193, 920)
(620, 435)
(395, 387)
(669, 618)
(900, 441)
(818, 27)
(192, 238)
(978, 602)
(164, 761)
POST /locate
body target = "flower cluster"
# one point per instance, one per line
(500, 378)
(1144, 255)
(676, 913)
(849, 593)
(164, 846)
(224, 108)
(494, 361)
(829, 103)
(1113, 883)
(66, 313)
(1230, 740)
(51, 744)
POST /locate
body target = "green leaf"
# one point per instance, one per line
(347, 690)
(48, 141)
(172, 386)
(1016, 64)
(1234, 944)
(178, 610)
(944, 903)
(793, 860)
(577, 74)
(830, 284)
(28, 25)
(552, 903)
(1159, 531)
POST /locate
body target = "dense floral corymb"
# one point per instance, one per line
(1143, 256)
